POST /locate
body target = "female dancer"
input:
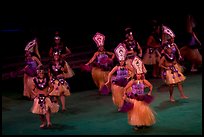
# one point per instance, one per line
(122, 77)
(172, 73)
(152, 55)
(141, 115)
(101, 64)
(58, 71)
(43, 105)
(190, 50)
(32, 62)
(169, 37)
(64, 51)
(133, 47)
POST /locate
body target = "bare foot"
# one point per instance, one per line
(43, 125)
(172, 99)
(136, 128)
(64, 109)
(49, 124)
(184, 97)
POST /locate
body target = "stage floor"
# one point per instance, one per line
(90, 114)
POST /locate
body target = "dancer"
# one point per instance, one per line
(172, 74)
(59, 45)
(133, 47)
(32, 62)
(152, 55)
(140, 115)
(190, 50)
(169, 41)
(102, 63)
(43, 105)
(122, 77)
(59, 70)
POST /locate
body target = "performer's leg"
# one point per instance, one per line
(43, 120)
(49, 124)
(171, 89)
(180, 88)
(62, 98)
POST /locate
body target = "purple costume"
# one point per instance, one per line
(138, 94)
(32, 67)
(121, 77)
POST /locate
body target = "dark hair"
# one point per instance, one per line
(142, 76)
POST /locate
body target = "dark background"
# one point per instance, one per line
(78, 21)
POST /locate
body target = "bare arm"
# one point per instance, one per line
(111, 73)
(161, 62)
(130, 83)
(50, 88)
(68, 52)
(33, 89)
(148, 84)
(196, 38)
(92, 59)
(178, 50)
(37, 60)
(111, 54)
(140, 49)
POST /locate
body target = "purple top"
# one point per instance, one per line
(138, 88)
(122, 73)
(102, 59)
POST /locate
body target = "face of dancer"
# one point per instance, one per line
(28, 55)
(57, 41)
(122, 62)
(130, 37)
(41, 74)
(101, 48)
(138, 76)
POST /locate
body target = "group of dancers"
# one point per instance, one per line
(125, 81)
(45, 86)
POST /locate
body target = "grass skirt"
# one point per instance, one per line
(48, 105)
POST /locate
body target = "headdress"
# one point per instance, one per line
(99, 39)
(120, 51)
(166, 30)
(32, 46)
(138, 65)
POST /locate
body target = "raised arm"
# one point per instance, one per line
(37, 60)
